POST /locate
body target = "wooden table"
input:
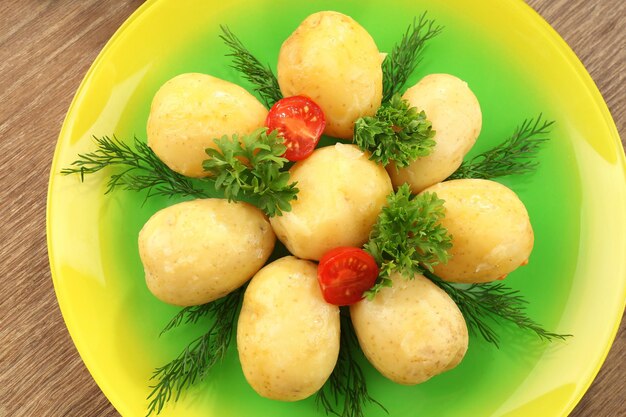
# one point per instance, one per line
(45, 49)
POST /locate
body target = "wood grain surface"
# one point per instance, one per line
(45, 49)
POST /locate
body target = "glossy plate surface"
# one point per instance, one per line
(516, 65)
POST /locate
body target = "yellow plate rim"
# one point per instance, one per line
(571, 59)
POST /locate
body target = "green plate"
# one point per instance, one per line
(516, 65)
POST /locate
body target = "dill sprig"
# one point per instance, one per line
(141, 169)
(347, 379)
(397, 133)
(406, 55)
(408, 237)
(250, 167)
(483, 305)
(244, 168)
(262, 77)
(515, 156)
(189, 315)
(198, 358)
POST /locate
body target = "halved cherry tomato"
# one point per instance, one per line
(300, 121)
(345, 273)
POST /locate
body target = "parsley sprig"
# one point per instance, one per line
(408, 237)
(397, 133)
(251, 166)
(262, 77)
(514, 156)
(195, 362)
(406, 55)
(246, 168)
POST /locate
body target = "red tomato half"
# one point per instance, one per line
(345, 273)
(300, 121)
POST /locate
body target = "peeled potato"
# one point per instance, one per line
(287, 335)
(198, 251)
(490, 228)
(341, 194)
(456, 118)
(191, 110)
(411, 331)
(331, 59)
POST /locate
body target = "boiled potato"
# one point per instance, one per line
(341, 194)
(410, 331)
(331, 59)
(456, 118)
(490, 228)
(191, 110)
(197, 251)
(287, 335)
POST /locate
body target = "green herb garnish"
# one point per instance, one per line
(397, 133)
(247, 167)
(199, 357)
(408, 237)
(251, 167)
(515, 156)
(483, 305)
(347, 379)
(262, 77)
(406, 55)
(189, 315)
(141, 169)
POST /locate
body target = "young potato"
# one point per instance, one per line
(191, 110)
(411, 331)
(490, 228)
(331, 59)
(287, 335)
(198, 251)
(456, 117)
(341, 194)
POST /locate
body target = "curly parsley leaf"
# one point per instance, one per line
(408, 237)
(398, 133)
(250, 167)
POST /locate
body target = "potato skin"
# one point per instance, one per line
(287, 335)
(456, 118)
(191, 110)
(341, 194)
(490, 228)
(198, 251)
(332, 59)
(411, 331)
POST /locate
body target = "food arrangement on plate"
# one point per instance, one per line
(396, 244)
